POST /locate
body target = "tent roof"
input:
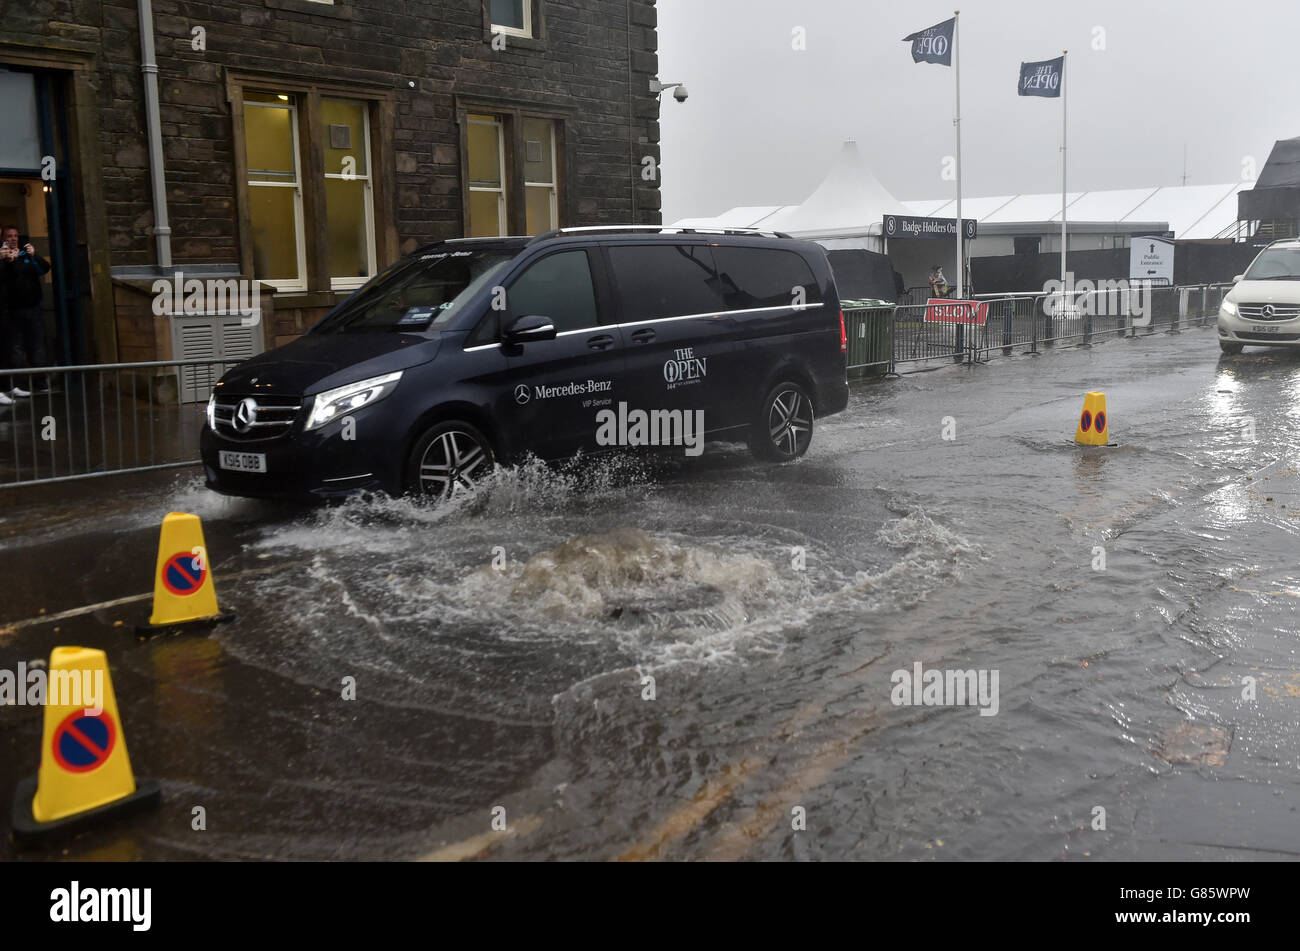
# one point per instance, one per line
(1194, 211)
(747, 216)
(849, 198)
(850, 201)
(1190, 211)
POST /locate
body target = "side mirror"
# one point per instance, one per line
(529, 329)
(1239, 278)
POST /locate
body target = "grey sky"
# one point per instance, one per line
(763, 122)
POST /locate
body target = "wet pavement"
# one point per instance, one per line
(505, 650)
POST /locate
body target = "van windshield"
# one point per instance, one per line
(417, 294)
(1276, 264)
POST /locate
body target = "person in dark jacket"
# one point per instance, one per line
(22, 277)
(938, 283)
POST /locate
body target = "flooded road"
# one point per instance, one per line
(696, 658)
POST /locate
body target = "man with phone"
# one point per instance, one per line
(22, 279)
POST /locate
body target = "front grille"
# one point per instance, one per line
(271, 417)
(1276, 338)
(1269, 311)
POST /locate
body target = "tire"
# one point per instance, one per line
(449, 460)
(1231, 349)
(782, 429)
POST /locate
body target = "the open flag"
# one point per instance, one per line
(933, 45)
(1042, 79)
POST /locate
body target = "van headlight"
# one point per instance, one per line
(1228, 309)
(212, 412)
(342, 400)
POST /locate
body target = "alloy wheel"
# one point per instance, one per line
(454, 463)
(790, 422)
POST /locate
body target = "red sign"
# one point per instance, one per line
(939, 311)
(179, 575)
(82, 742)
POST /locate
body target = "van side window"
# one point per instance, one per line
(664, 281)
(761, 277)
(559, 287)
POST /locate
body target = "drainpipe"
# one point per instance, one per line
(149, 67)
(631, 117)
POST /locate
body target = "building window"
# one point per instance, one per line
(513, 17)
(487, 179)
(541, 191)
(275, 189)
(513, 172)
(20, 146)
(349, 192)
(311, 228)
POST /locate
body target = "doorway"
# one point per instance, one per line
(36, 197)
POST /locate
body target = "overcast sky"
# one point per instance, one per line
(763, 123)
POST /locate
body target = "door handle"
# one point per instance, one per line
(644, 335)
(600, 342)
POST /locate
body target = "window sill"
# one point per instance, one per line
(307, 6)
(513, 41)
(287, 299)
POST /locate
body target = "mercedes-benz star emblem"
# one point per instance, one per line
(521, 394)
(1269, 312)
(245, 415)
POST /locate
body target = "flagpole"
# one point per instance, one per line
(961, 256)
(1065, 94)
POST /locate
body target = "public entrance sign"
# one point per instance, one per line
(1152, 260)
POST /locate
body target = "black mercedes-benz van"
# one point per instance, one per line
(474, 352)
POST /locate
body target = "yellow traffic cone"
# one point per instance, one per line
(183, 591)
(85, 773)
(1094, 423)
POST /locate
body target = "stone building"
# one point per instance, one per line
(303, 145)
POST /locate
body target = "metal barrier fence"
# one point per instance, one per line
(917, 295)
(86, 421)
(885, 340)
(1050, 320)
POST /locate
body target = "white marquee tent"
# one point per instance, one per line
(851, 203)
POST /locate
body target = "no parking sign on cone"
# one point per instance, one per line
(1094, 423)
(85, 774)
(183, 591)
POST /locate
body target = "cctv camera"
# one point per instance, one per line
(680, 94)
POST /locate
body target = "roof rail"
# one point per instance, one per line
(488, 240)
(659, 229)
(483, 240)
